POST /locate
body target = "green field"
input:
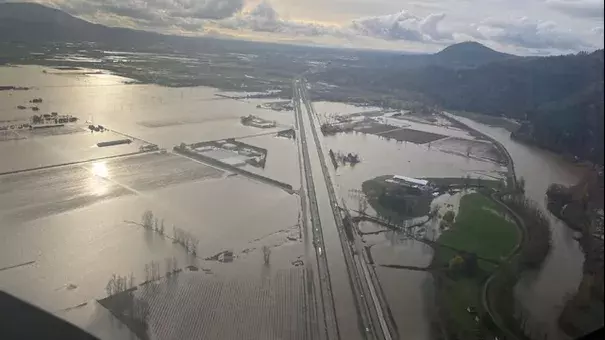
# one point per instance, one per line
(479, 228)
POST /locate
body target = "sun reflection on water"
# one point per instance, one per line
(100, 169)
(98, 184)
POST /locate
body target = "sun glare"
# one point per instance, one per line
(100, 169)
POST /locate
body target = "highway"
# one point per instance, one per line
(325, 309)
(351, 304)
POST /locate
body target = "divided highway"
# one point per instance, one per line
(348, 300)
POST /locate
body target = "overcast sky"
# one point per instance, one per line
(517, 26)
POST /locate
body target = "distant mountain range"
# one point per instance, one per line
(30, 22)
(35, 23)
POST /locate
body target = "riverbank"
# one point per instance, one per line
(505, 155)
(578, 207)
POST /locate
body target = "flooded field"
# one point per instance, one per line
(61, 221)
(282, 158)
(166, 116)
(409, 292)
(258, 305)
(382, 157)
(67, 229)
(61, 145)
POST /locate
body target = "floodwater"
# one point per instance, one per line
(282, 158)
(166, 116)
(543, 292)
(410, 292)
(82, 213)
(65, 230)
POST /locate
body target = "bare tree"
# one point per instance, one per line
(266, 254)
(147, 272)
(147, 219)
(161, 229)
(521, 184)
(118, 284)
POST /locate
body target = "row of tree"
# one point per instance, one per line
(180, 236)
(186, 239)
(118, 284)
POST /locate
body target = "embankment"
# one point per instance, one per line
(511, 176)
(234, 169)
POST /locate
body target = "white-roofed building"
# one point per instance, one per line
(410, 180)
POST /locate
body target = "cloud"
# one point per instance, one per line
(578, 8)
(525, 33)
(205, 9)
(402, 26)
(156, 13)
(399, 26)
(264, 18)
(440, 23)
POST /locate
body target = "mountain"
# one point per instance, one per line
(468, 54)
(559, 97)
(35, 23)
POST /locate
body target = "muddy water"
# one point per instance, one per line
(73, 224)
(166, 116)
(409, 291)
(382, 157)
(543, 292)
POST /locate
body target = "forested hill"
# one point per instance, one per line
(562, 97)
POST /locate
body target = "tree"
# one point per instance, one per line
(147, 272)
(521, 184)
(147, 219)
(161, 230)
(266, 254)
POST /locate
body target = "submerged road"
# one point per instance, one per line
(348, 299)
